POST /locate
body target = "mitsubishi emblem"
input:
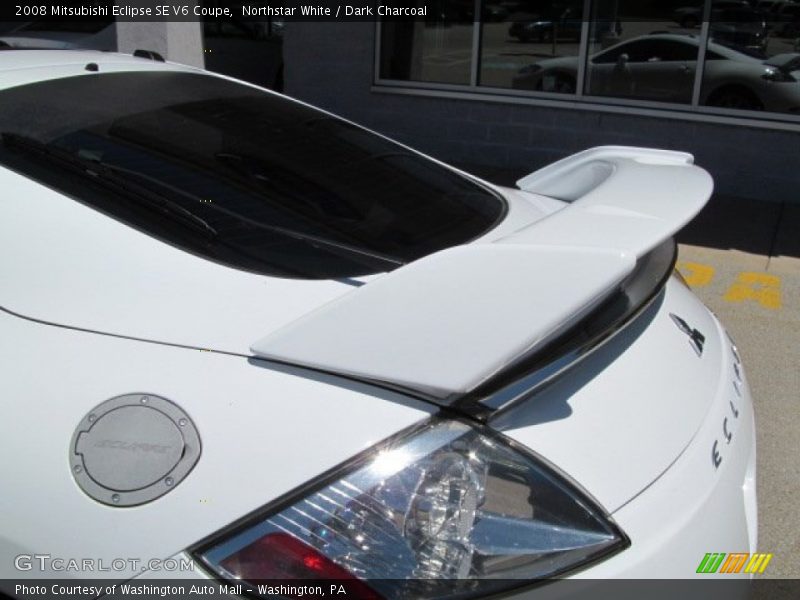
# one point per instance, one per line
(696, 339)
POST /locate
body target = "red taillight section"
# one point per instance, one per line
(314, 563)
(279, 556)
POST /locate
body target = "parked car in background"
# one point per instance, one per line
(692, 16)
(774, 7)
(744, 29)
(785, 22)
(764, 6)
(567, 24)
(662, 66)
(494, 12)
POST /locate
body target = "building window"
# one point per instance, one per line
(638, 52)
(729, 57)
(515, 43)
(435, 50)
(752, 61)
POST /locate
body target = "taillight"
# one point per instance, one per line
(280, 556)
(448, 502)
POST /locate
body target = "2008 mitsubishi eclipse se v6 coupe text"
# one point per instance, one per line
(240, 330)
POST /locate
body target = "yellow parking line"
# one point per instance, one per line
(695, 274)
(760, 287)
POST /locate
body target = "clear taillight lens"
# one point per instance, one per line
(444, 501)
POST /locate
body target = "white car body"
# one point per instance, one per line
(93, 309)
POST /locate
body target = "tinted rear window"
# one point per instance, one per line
(286, 190)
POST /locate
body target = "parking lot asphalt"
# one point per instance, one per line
(742, 258)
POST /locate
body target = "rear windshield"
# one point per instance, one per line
(238, 175)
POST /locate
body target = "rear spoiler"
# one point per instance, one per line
(442, 326)
(629, 199)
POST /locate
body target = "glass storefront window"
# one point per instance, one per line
(531, 45)
(637, 51)
(648, 51)
(752, 60)
(437, 49)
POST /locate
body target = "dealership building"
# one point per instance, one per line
(458, 90)
(505, 87)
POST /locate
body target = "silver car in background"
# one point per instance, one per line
(662, 67)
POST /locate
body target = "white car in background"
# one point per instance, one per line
(240, 330)
(662, 67)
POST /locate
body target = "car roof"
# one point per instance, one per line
(26, 59)
(692, 40)
(18, 67)
(687, 38)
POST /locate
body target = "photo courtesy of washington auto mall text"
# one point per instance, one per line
(74, 590)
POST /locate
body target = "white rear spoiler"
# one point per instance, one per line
(446, 323)
(630, 199)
